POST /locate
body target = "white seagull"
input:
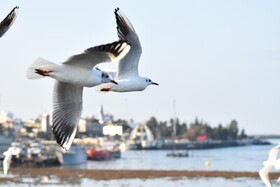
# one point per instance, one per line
(272, 161)
(71, 76)
(8, 21)
(7, 159)
(127, 75)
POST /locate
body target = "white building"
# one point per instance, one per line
(45, 122)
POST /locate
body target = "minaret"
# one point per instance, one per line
(101, 115)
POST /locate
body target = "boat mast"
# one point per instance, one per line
(174, 119)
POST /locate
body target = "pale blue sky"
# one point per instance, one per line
(220, 60)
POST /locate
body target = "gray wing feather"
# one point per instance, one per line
(98, 54)
(129, 64)
(67, 108)
(8, 21)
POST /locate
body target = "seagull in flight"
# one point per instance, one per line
(8, 159)
(71, 76)
(127, 75)
(8, 21)
(272, 161)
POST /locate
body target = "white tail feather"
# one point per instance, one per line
(41, 64)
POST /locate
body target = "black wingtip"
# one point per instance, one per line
(122, 26)
(117, 9)
(116, 48)
(62, 134)
(13, 10)
(8, 21)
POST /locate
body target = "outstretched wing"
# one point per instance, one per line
(272, 154)
(128, 66)
(67, 108)
(7, 160)
(103, 53)
(8, 21)
(264, 175)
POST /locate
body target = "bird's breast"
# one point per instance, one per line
(128, 85)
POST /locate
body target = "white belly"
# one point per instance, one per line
(128, 85)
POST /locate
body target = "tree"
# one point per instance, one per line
(165, 131)
(243, 134)
(153, 125)
(196, 128)
(180, 128)
(233, 130)
(124, 124)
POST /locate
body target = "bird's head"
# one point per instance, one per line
(150, 82)
(105, 77)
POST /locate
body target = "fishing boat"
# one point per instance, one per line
(98, 154)
(178, 154)
(108, 150)
(32, 154)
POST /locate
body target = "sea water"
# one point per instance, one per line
(247, 158)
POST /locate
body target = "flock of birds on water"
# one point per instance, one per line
(81, 70)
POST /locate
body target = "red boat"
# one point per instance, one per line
(98, 154)
(102, 154)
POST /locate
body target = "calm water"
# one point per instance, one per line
(247, 158)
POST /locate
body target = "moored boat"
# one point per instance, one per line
(76, 155)
(33, 154)
(98, 154)
(178, 154)
(106, 152)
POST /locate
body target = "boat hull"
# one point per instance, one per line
(76, 155)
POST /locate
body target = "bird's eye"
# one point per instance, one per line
(107, 76)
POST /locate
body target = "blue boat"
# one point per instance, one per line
(76, 155)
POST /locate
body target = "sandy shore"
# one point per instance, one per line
(122, 174)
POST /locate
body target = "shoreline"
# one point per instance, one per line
(128, 174)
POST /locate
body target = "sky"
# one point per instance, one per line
(216, 60)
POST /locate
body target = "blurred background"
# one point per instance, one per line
(216, 62)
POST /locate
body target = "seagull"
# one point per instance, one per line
(127, 75)
(71, 76)
(272, 161)
(8, 21)
(7, 159)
